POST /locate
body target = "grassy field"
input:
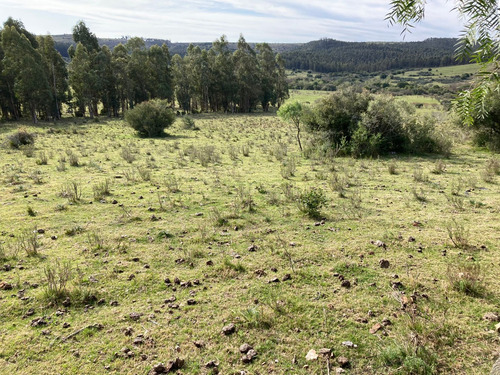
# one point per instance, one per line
(117, 253)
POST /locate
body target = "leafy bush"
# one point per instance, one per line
(150, 118)
(21, 138)
(311, 201)
(364, 126)
(338, 114)
(487, 126)
(189, 124)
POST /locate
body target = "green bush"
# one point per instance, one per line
(311, 201)
(150, 118)
(21, 138)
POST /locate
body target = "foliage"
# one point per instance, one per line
(21, 138)
(293, 112)
(365, 125)
(478, 43)
(150, 118)
(311, 201)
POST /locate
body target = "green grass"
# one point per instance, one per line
(307, 96)
(216, 214)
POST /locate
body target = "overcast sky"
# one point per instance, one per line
(206, 20)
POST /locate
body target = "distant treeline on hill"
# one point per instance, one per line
(328, 55)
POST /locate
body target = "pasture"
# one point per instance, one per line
(118, 253)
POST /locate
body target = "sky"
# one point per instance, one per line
(285, 21)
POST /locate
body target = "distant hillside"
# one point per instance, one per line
(64, 41)
(328, 55)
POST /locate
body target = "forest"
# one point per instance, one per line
(35, 80)
(328, 55)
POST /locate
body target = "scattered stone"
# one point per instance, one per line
(349, 344)
(113, 303)
(339, 370)
(311, 355)
(274, 269)
(159, 369)
(135, 316)
(345, 284)
(252, 248)
(7, 267)
(131, 277)
(128, 331)
(411, 239)
(139, 340)
(174, 365)
(229, 329)
(379, 243)
(386, 322)
(198, 214)
(66, 325)
(41, 231)
(212, 364)
(251, 354)
(384, 263)
(66, 302)
(46, 332)
(497, 328)
(191, 302)
(287, 277)
(209, 263)
(343, 362)
(54, 237)
(199, 344)
(244, 348)
(37, 322)
(274, 280)
(325, 352)
(375, 328)
(260, 273)
(397, 285)
(5, 286)
(491, 316)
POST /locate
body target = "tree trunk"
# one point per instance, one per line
(298, 137)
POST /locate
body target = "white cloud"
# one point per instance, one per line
(206, 20)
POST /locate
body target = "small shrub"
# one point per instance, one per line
(311, 201)
(73, 159)
(28, 242)
(392, 168)
(144, 172)
(439, 167)
(466, 278)
(458, 234)
(189, 124)
(288, 168)
(28, 150)
(58, 276)
(338, 184)
(150, 118)
(42, 159)
(72, 190)
(31, 211)
(101, 189)
(21, 138)
(127, 154)
(419, 175)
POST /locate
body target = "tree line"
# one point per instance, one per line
(328, 55)
(35, 80)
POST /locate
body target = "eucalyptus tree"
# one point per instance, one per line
(225, 86)
(83, 79)
(247, 76)
(182, 84)
(137, 71)
(56, 72)
(119, 64)
(160, 73)
(23, 68)
(268, 75)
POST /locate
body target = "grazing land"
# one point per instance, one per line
(118, 253)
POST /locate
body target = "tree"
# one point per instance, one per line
(479, 43)
(292, 112)
(247, 76)
(57, 74)
(23, 65)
